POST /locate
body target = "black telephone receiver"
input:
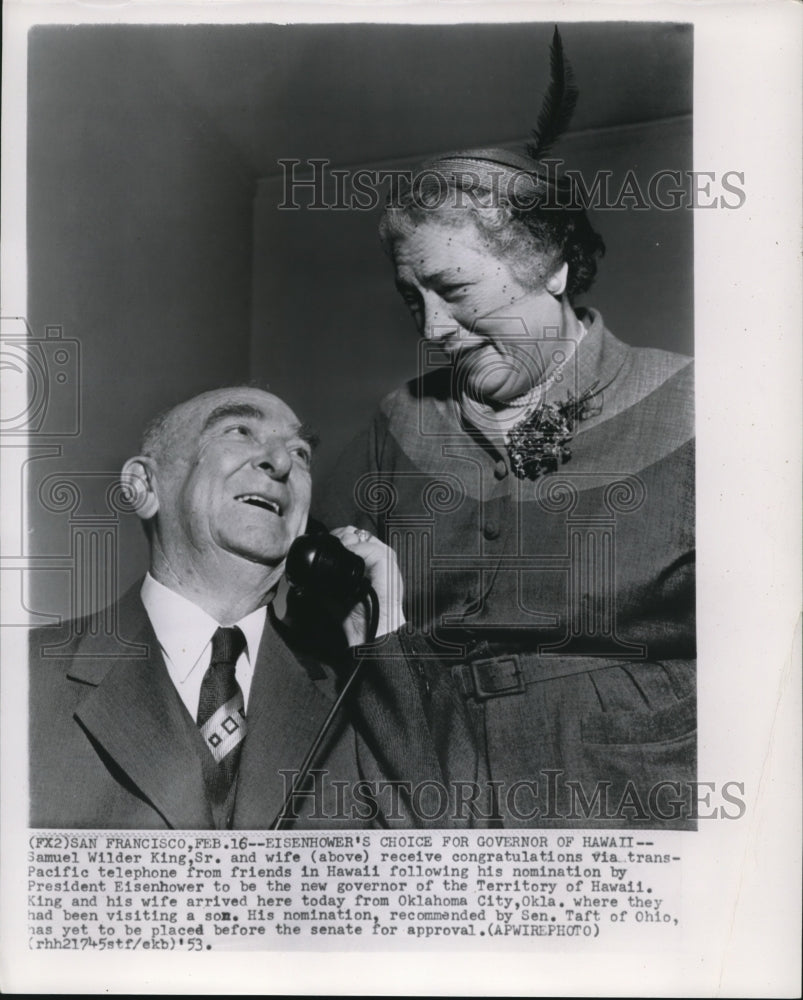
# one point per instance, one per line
(323, 572)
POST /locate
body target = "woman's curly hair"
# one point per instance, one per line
(535, 238)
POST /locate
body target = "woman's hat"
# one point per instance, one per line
(519, 175)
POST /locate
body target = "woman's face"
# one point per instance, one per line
(466, 298)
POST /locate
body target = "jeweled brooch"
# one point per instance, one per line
(539, 444)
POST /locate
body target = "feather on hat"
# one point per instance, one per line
(553, 119)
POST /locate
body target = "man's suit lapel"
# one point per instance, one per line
(134, 715)
(288, 702)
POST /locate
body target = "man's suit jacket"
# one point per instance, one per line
(113, 746)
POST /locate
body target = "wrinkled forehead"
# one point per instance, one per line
(196, 417)
(440, 239)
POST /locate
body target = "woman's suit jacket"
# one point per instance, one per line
(561, 610)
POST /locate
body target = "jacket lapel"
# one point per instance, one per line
(289, 700)
(133, 713)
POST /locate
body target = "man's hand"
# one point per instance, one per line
(382, 572)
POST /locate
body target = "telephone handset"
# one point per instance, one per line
(323, 572)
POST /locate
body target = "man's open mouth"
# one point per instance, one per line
(256, 500)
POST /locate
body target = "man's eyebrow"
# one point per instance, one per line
(227, 410)
(308, 433)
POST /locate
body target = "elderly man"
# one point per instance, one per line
(198, 710)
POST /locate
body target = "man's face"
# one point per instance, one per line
(467, 299)
(232, 476)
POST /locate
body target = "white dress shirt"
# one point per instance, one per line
(185, 635)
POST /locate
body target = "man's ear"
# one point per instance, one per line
(137, 478)
(556, 282)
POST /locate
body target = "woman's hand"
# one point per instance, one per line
(382, 572)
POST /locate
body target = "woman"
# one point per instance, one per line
(536, 482)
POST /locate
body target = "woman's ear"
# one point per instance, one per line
(556, 282)
(136, 477)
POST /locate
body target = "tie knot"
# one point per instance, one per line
(227, 644)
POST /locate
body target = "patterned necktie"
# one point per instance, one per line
(221, 711)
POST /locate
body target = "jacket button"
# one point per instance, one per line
(500, 469)
(491, 530)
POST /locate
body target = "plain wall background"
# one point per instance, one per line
(154, 240)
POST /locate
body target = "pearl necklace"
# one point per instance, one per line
(498, 423)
